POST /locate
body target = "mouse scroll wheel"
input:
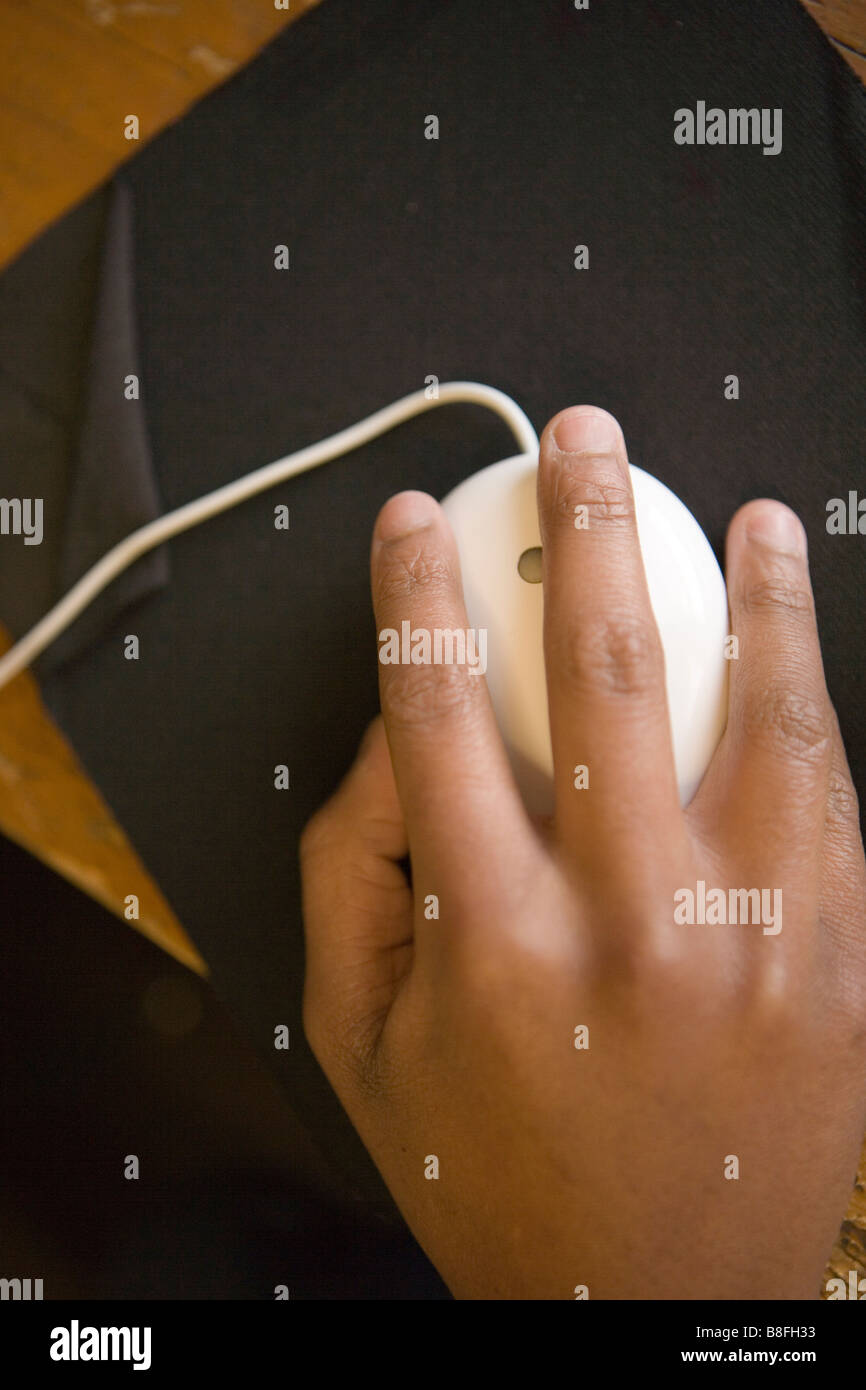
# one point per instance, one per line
(529, 565)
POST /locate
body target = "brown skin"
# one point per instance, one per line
(602, 1167)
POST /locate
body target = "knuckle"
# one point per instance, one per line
(646, 970)
(421, 696)
(796, 723)
(843, 804)
(633, 933)
(484, 978)
(769, 1002)
(641, 956)
(600, 488)
(776, 597)
(618, 656)
(410, 567)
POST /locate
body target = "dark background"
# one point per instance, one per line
(409, 257)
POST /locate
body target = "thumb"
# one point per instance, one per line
(357, 907)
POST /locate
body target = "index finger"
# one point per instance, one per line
(459, 799)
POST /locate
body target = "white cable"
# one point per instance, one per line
(127, 551)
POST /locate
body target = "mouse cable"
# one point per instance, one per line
(139, 542)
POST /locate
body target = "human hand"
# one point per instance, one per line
(561, 1166)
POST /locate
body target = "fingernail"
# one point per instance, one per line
(586, 429)
(775, 525)
(405, 513)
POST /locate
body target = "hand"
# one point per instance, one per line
(711, 1049)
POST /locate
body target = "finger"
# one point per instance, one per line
(770, 777)
(843, 870)
(357, 903)
(461, 805)
(605, 663)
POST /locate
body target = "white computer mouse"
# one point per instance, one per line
(495, 520)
